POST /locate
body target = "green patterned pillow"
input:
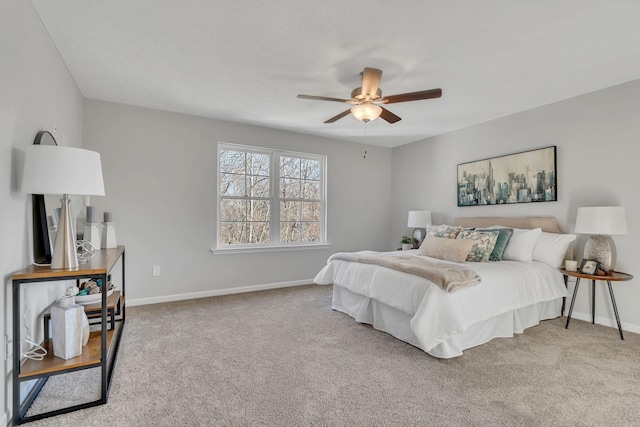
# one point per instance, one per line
(485, 242)
(445, 231)
(501, 244)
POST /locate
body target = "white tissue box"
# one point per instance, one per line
(67, 330)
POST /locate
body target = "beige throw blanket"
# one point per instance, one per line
(449, 277)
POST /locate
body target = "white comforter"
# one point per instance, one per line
(438, 315)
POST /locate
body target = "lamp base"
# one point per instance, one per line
(419, 235)
(602, 249)
(65, 255)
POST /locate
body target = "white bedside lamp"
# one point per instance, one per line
(419, 220)
(601, 222)
(53, 169)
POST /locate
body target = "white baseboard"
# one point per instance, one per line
(215, 293)
(604, 321)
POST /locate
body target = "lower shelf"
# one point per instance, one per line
(91, 354)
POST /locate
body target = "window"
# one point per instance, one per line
(269, 197)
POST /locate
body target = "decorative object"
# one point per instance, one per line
(85, 251)
(571, 265)
(484, 242)
(504, 235)
(444, 230)
(67, 328)
(92, 228)
(419, 220)
(52, 169)
(524, 177)
(108, 232)
(601, 222)
(407, 243)
(448, 249)
(590, 266)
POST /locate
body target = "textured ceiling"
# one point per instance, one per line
(246, 60)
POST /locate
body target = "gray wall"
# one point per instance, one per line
(160, 179)
(36, 92)
(597, 152)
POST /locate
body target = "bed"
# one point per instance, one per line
(512, 295)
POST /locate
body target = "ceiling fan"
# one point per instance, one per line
(366, 100)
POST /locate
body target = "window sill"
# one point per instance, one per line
(274, 248)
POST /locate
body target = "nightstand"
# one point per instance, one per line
(615, 276)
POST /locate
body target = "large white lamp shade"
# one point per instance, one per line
(601, 222)
(53, 169)
(419, 220)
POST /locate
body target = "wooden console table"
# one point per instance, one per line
(101, 351)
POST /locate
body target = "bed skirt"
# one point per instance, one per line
(397, 323)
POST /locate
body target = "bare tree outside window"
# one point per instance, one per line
(251, 212)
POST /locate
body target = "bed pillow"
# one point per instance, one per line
(445, 231)
(448, 249)
(504, 235)
(484, 242)
(521, 245)
(551, 248)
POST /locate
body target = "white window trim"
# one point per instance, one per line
(237, 249)
(274, 175)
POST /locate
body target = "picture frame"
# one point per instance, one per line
(590, 266)
(524, 177)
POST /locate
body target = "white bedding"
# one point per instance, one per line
(435, 315)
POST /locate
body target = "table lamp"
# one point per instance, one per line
(419, 220)
(601, 222)
(54, 169)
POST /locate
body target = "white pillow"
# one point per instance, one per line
(552, 247)
(521, 244)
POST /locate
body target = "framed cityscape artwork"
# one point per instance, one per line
(524, 177)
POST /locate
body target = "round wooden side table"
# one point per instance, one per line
(614, 276)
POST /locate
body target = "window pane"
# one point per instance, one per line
(289, 211)
(258, 186)
(231, 184)
(310, 211)
(289, 232)
(310, 189)
(259, 210)
(289, 167)
(233, 210)
(232, 161)
(258, 232)
(310, 169)
(310, 231)
(258, 164)
(289, 188)
(232, 233)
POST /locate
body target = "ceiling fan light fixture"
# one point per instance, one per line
(366, 112)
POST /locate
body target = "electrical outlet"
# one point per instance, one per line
(156, 270)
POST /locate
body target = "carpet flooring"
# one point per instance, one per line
(284, 358)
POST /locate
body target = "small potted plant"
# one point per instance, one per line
(407, 243)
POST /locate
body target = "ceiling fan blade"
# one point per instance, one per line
(389, 116)
(339, 116)
(413, 96)
(370, 82)
(322, 98)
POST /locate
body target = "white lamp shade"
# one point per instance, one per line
(53, 169)
(366, 112)
(607, 220)
(419, 219)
